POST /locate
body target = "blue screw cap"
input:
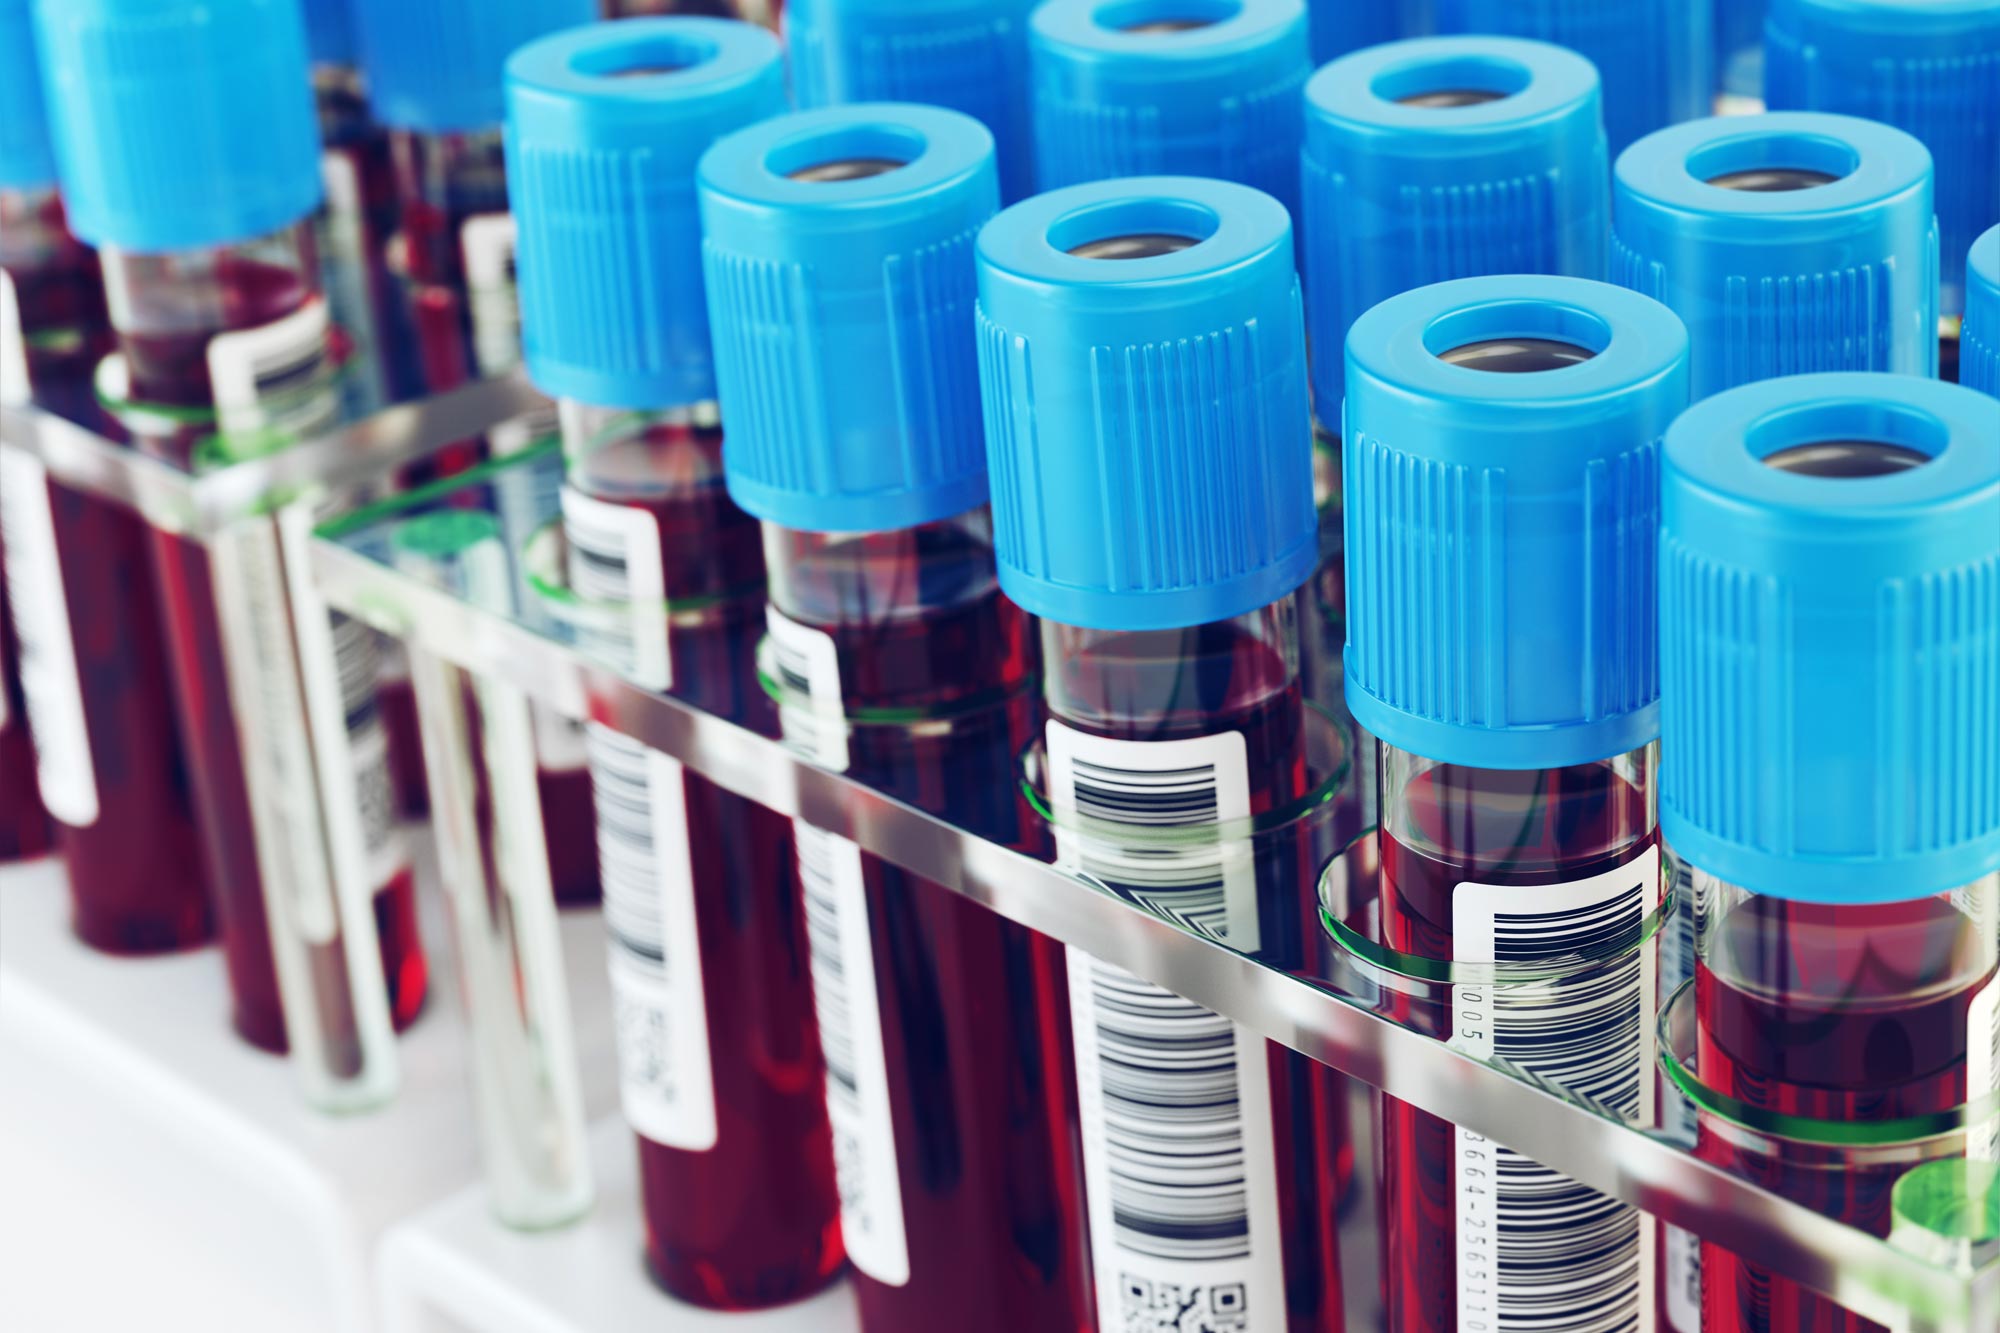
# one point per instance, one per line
(1835, 276)
(1656, 56)
(1830, 645)
(1116, 94)
(1400, 194)
(26, 160)
(605, 127)
(1501, 527)
(180, 126)
(1146, 418)
(968, 55)
(841, 310)
(329, 32)
(436, 67)
(1979, 340)
(1340, 26)
(1929, 67)
(1739, 47)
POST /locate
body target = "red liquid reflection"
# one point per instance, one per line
(1225, 679)
(1838, 1014)
(974, 1009)
(173, 370)
(1516, 828)
(754, 1221)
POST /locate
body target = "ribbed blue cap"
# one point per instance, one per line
(1979, 341)
(1831, 645)
(1657, 56)
(969, 55)
(26, 160)
(1931, 67)
(1147, 426)
(841, 311)
(1501, 527)
(435, 66)
(1839, 276)
(329, 32)
(601, 165)
(180, 126)
(1221, 99)
(1340, 26)
(1739, 47)
(1399, 195)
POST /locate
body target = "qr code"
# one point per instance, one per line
(1149, 1306)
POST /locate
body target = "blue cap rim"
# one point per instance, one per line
(1080, 28)
(1895, 18)
(750, 165)
(1882, 163)
(709, 54)
(1092, 608)
(1555, 80)
(1983, 263)
(1825, 879)
(1513, 748)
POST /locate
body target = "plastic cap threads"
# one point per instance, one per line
(435, 67)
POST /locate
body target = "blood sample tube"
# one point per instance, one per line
(1143, 373)
(25, 830)
(1830, 545)
(900, 662)
(226, 351)
(969, 55)
(1142, 87)
(1789, 243)
(1518, 745)
(1979, 363)
(721, 1072)
(83, 612)
(1739, 56)
(1932, 70)
(1656, 56)
(1426, 160)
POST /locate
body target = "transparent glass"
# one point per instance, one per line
(446, 184)
(1834, 1048)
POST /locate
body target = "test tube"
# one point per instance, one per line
(1145, 87)
(1739, 56)
(492, 857)
(721, 1074)
(968, 55)
(1789, 243)
(226, 353)
(1979, 363)
(1500, 647)
(853, 400)
(1426, 160)
(1656, 56)
(1830, 547)
(1932, 70)
(1142, 364)
(88, 641)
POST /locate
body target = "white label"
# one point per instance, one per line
(857, 1066)
(615, 569)
(1180, 1161)
(40, 608)
(1982, 1068)
(14, 384)
(1528, 1237)
(489, 241)
(275, 376)
(1681, 1280)
(666, 1081)
(342, 228)
(810, 709)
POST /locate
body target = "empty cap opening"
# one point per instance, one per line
(1847, 459)
(1517, 356)
(1165, 16)
(1452, 81)
(644, 58)
(846, 152)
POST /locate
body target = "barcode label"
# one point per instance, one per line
(342, 230)
(615, 568)
(1680, 1281)
(275, 377)
(1982, 1069)
(857, 1066)
(811, 709)
(1180, 1161)
(40, 608)
(1536, 1250)
(666, 1081)
(489, 241)
(15, 388)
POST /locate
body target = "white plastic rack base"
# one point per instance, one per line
(453, 1269)
(158, 1173)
